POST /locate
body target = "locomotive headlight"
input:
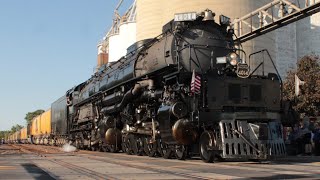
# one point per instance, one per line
(233, 62)
(233, 59)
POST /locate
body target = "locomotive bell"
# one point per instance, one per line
(113, 136)
(184, 132)
(208, 15)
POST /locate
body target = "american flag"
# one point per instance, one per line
(195, 83)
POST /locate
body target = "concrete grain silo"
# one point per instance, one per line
(119, 42)
(121, 35)
(297, 39)
(308, 33)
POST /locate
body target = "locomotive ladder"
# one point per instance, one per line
(272, 16)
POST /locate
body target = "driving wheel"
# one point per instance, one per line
(206, 140)
(165, 150)
(181, 152)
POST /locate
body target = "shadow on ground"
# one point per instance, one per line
(282, 176)
(36, 172)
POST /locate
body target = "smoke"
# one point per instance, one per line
(68, 147)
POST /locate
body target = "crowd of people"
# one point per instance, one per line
(304, 138)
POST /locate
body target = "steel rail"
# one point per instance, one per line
(139, 166)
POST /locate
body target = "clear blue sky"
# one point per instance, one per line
(47, 47)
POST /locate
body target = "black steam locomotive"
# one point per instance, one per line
(184, 93)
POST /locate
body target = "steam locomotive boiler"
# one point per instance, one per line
(184, 93)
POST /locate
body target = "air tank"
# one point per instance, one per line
(152, 15)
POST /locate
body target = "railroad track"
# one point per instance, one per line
(139, 166)
(18, 148)
(43, 152)
(35, 149)
(76, 162)
(82, 170)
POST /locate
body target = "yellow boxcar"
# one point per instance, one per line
(16, 136)
(45, 123)
(35, 127)
(24, 134)
(10, 138)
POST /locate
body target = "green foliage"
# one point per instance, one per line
(16, 128)
(4, 134)
(308, 70)
(31, 115)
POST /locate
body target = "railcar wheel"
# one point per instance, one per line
(140, 147)
(149, 147)
(93, 148)
(113, 148)
(134, 144)
(165, 150)
(127, 145)
(206, 140)
(77, 144)
(104, 149)
(100, 148)
(181, 152)
(129, 151)
(124, 146)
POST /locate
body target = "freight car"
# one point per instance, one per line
(184, 93)
(15, 137)
(40, 129)
(24, 135)
(37, 132)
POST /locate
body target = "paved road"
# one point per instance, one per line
(17, 164)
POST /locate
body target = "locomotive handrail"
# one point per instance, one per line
(278, 74)
(265, 50)
(256, 69)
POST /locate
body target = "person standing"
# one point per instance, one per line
(316, 139)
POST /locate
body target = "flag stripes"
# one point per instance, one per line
(195, 83)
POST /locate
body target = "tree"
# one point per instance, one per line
(308, 101)
(4, 134)
(31, 115)
(16, 128)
